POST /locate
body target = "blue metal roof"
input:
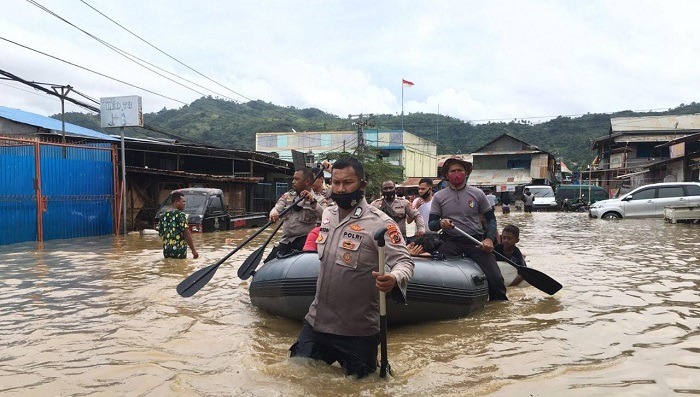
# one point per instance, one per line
(34, 119)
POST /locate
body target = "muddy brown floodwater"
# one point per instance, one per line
(100, 317)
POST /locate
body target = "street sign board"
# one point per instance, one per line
(122, 111)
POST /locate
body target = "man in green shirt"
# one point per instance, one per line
(172, 227)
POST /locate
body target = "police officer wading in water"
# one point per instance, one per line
(343, 321)
(462, 206)
(302, 218)
(399, 209)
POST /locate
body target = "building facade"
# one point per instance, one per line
(506, 163)
(418, 156)
(637, 152)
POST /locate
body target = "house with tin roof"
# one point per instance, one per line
(507, 162)
(638, 151)
(21, 124)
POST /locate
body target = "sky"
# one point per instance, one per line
(478, 61)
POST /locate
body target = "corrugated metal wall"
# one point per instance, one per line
(18, 218)
(78, 187)
(76, 191)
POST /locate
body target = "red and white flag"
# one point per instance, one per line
(408, 83)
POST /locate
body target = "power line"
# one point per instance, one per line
(164, 53)
(252, 101)
(92, 71)
(47, 91)
(129, 56)
(20, 89)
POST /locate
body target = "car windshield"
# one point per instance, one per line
(194, 204)
(542, 191)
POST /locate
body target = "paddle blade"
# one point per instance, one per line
(539, 280)
(196, 281)
(251, 263)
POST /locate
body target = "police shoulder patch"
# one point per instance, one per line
(394, 234)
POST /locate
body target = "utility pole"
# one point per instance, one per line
(361, 122)
(65, 89)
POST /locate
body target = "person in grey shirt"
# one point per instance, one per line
(461, 206)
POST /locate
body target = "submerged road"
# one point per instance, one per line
(100, 317)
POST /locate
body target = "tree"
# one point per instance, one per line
(376, 169)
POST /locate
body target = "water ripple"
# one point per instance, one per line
(100, 316)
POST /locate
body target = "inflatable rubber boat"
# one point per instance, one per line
(439, 289)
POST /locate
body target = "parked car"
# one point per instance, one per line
(574, 192)
(544, 197)
(647, 201)
(204, 208)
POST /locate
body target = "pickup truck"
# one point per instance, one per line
(206, 211)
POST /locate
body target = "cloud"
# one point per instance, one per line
(478, 61)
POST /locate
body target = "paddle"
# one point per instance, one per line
(248, 267)
(535, 277)
(201, 277)
(384, 362)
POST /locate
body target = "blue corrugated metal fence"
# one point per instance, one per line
(77, 189)
(18, 218)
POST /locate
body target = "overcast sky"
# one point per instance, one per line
(475, 60)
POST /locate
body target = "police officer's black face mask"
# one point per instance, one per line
(389, 195)
(347, 200)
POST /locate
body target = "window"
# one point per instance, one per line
(325, 140)
(671, 191)
(194, 203)
(518, 164)
(645, 194)
(281, 141)
(692, 190)
(216, 204)
(371, 138)
(305, 140)
(266, 141)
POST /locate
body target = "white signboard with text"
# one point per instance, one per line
(122, 111)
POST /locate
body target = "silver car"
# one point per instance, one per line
(647, 201)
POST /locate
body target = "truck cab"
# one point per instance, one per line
(204, 207)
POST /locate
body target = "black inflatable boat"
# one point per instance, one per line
(439, 289)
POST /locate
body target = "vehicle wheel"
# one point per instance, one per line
(611, 215)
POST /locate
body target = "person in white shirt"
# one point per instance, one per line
(423, 202)
(491, 197)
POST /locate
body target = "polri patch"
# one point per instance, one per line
(356, 227)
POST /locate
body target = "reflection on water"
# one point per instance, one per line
(100, 316)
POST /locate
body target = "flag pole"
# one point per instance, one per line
(402, 84)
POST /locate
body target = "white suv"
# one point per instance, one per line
(544, 197)
(647, 201)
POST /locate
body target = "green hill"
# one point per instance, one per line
(229, 124)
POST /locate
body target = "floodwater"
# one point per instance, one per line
(100, 317)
